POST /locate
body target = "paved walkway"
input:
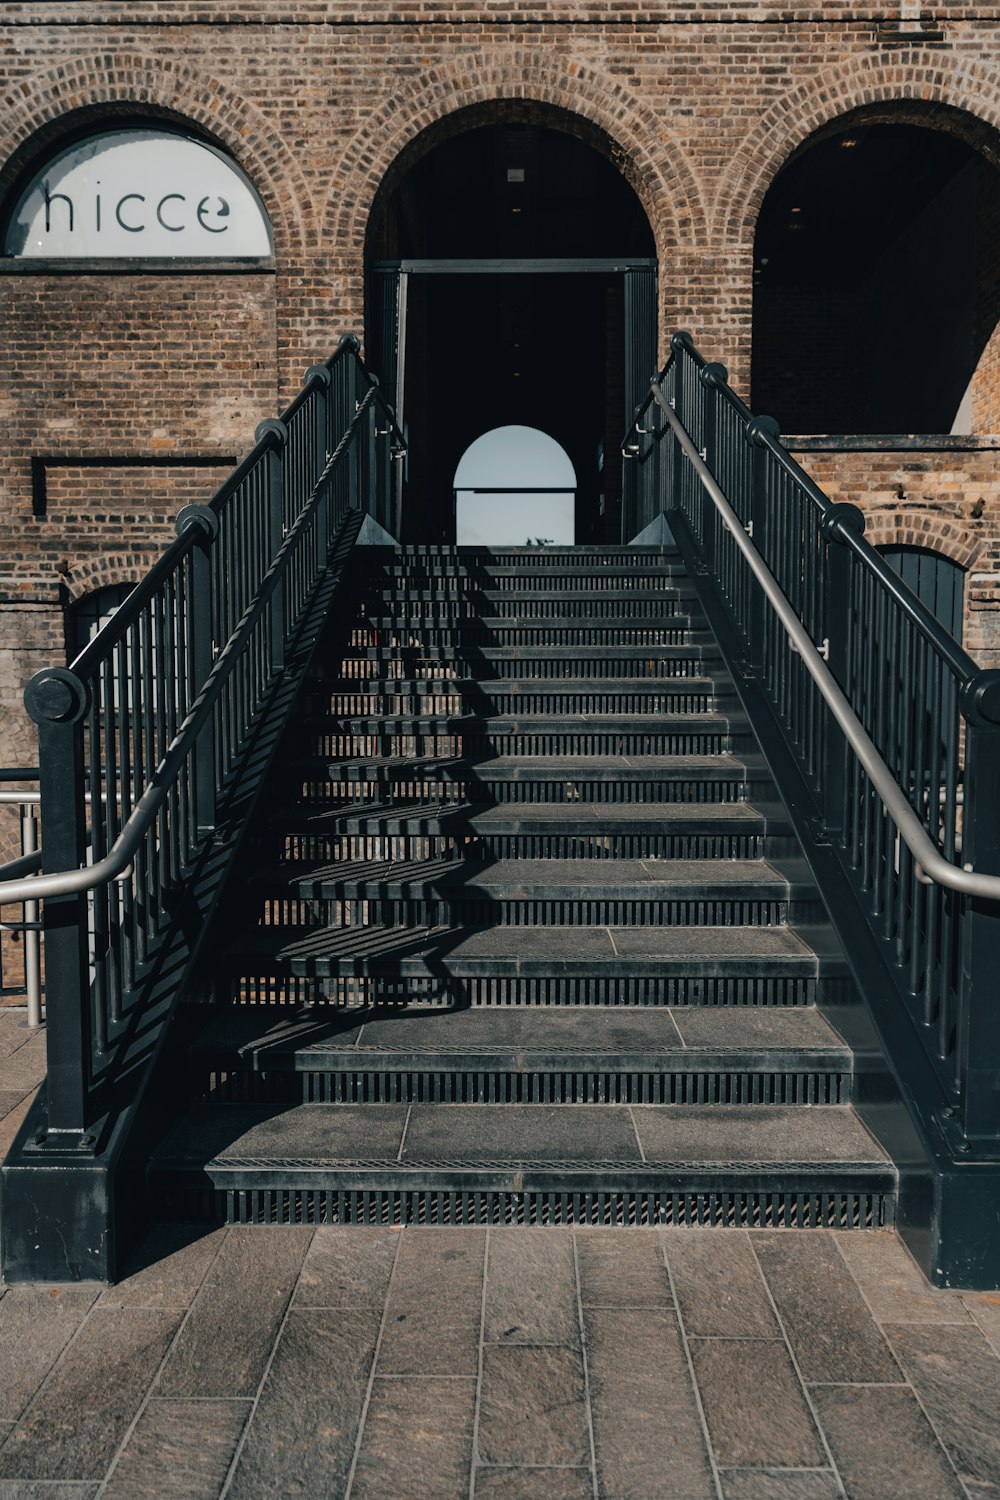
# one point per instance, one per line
(501, 1363)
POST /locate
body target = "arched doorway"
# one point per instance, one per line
(511, 280)
(877, 276)
(515, 486)
(936, 580)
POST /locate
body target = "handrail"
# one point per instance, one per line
(766, 436)
(930, 859)
(125, 616)
(121, 854)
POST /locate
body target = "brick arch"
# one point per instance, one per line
(956, 95)
(920, 528)
(111, 568)
(640, 145)
(37, 113)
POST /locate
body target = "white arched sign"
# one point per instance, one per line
(128, 193)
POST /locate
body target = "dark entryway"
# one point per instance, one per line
(511, 281)
(877, 277)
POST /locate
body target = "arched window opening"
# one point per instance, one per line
(515, 487)
(86, 616)
(130, 191)
(876, 282)
(511, 282)
(937, 582)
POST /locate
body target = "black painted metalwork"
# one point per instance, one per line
(143, 738)
(19, 924)
(932, 713)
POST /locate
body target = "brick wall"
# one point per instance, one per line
(698, 104)
(948, 501)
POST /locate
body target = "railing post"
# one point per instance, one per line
(978, 1040)
(839, 521)
(680, 343)
(373, 499)
(756, 432)
(57, 700)
(711, 377)
(274, 479)
(321, 427)
(204, 520)
(32, 938)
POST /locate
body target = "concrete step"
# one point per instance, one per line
(569, 778)
(571, 966)
(514, 1056)
(538, 830)
(490, 696)
(541, 892)
(394, 662)
(779, 1167)
(578, 629)
(532, 735)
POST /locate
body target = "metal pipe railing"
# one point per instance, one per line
(142, 736)
(929, 858)
(29, 926)
(893, 727)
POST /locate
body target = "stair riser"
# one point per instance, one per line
(392, 666)
(480, 790)
(510, 633)
(410, 847)
(448, 610)
(700, 1206)
(235, 1085)
(673, 697)
(368, 739)
(441, 554)
(457, 585)
(274, 985)
(480, 913)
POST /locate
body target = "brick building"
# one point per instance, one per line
(130, 384)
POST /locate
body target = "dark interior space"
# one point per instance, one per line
(509, 337)
(509, 191)
(876, 273)
(536, 349)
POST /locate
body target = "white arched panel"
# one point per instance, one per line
(138, 193)
(514, 487)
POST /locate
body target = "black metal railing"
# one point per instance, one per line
(141, 739)
(898, 742)
(20, 936)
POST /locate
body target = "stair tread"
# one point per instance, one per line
(520, 1039)
(537, 590)
(556, 878)
(541, 767)
(641, 1141)
(655, 619)
(510, 687)
(582, 817)
(420, 951)
(627, 651)
(575, 723)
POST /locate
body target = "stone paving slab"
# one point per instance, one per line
(241, 1364)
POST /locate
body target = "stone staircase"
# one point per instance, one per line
(529, 939)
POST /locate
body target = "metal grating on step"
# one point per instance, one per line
(401, 848)
(575, 1088)
(351, 991)
(722, 1208)
(478, 788)
(242, 1086)
(478, 911)
(444, 701)
(369, 739)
